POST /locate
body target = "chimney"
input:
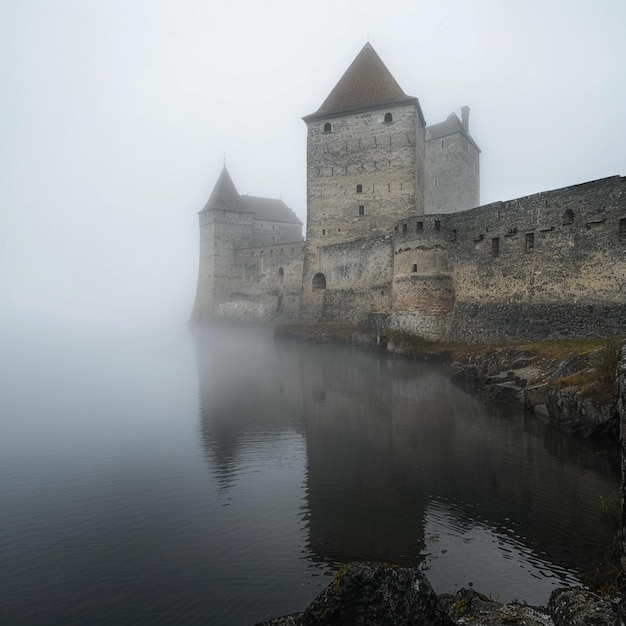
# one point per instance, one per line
(465, 118)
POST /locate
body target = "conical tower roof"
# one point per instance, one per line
(367, 82)
(224, 195)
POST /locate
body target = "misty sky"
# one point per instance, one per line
(116, 115)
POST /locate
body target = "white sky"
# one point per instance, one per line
(116, 114)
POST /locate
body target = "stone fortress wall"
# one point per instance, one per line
(395, 237)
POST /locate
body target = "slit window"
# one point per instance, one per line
(530, 242)
(415, 267)
(404, 228)
(495, 246)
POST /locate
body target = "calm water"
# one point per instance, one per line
(222, 478)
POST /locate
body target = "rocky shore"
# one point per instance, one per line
(375, 594)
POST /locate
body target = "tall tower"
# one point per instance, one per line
(365, 156)
(225, 225)
(452, 166)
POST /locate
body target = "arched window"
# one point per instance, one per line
(359, 188)
(388, 117)
(328, 127)
(568, 217)
(319, 281)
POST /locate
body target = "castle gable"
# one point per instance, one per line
(367, 82)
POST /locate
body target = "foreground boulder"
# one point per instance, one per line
(373, 594)
(579, 607)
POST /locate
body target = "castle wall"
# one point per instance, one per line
(266, 233)
(452, 174)
(265, 286)
(356, 277)
(548, 265)
(384, 158)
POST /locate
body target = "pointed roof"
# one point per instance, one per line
(224, 195)
(367, 82)
(451, 126)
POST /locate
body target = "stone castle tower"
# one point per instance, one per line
(229, 224)
(371, 163)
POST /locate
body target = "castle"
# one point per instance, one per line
(396, 237)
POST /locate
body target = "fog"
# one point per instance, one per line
(116, 118)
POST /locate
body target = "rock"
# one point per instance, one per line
(374, 594)
(574, 414)
(470, 607)
(535, 395)
(579, 607)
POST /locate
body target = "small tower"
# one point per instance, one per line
(225, 225)
(452, 166)
(365, 156)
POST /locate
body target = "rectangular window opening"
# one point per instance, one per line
(437, 225)
(420, 226)
(530, 242)
(622, 229)
(361, 209)
(495, 246)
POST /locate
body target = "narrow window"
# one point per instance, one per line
(359, 188)
(323, 231)
(415, 267)
(420, 226)
(568, 217)
(319, 281)
(622, 229)
(404, 228)
(443, 143)
(530, 242)
(361, 209)
(327, 127)
(437, 225)
(281, 274)
(495, 246)
(453, 234)
(388, 117)
(436, 182)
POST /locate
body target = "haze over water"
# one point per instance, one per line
(221, 477)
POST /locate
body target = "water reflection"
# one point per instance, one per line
(402, 463)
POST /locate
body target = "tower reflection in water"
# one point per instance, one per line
(402, 463)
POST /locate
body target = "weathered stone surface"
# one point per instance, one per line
(621, 410)
(470, 607)
(373, 594)
(579, 607)
(570, 412)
